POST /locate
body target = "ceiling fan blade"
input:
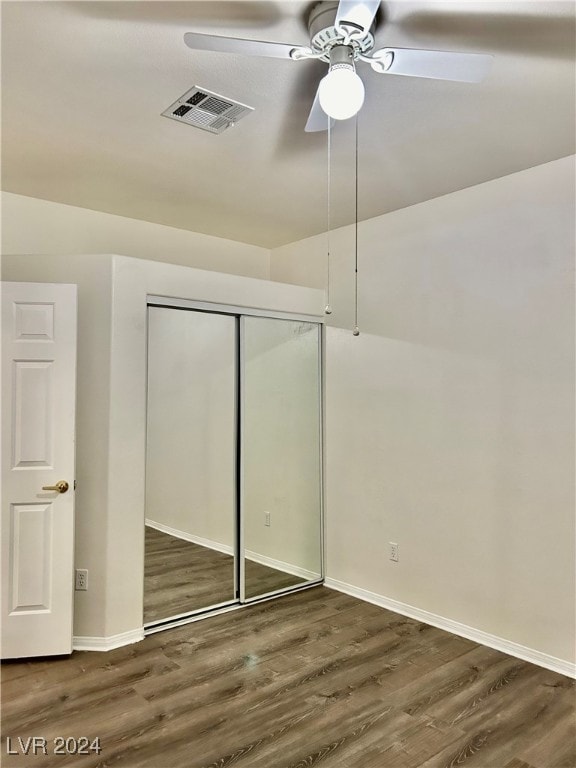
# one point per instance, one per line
(357, 13)
(437, 65)
(221, 44)
(317, 119)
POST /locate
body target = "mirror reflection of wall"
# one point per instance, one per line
(281, 441)
(190, 539)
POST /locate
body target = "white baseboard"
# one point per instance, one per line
(107, 643)
(295, 570)
(216, 545)
(463, 630)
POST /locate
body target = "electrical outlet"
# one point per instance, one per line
(81, 584)
(394, 554)
(267, 519)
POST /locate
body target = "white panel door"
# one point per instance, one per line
(38, 409)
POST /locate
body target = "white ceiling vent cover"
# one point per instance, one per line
(207, 110)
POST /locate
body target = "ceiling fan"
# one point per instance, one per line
(342, 34)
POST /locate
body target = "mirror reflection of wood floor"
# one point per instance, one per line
(315, 678)
(180, 576)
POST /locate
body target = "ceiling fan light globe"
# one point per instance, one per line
(341, 93)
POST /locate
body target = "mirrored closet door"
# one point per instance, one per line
(281, 510)
(233, 459)
(190, 533)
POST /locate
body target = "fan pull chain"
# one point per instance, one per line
(328, 308)
(356, 331)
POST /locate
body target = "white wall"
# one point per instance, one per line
(30, 225)
(450, 419)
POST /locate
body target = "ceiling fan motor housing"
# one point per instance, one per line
(341, 56)
(324, 34)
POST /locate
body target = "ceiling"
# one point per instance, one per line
(84, 83)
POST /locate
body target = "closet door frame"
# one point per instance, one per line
(237, 311)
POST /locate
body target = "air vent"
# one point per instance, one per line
(207, 110)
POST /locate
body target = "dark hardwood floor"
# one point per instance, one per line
(313, 678)
(180, 577)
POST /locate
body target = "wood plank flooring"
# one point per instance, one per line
(313, 678)
(180, 577)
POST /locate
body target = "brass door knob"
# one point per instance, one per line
(61, 486)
